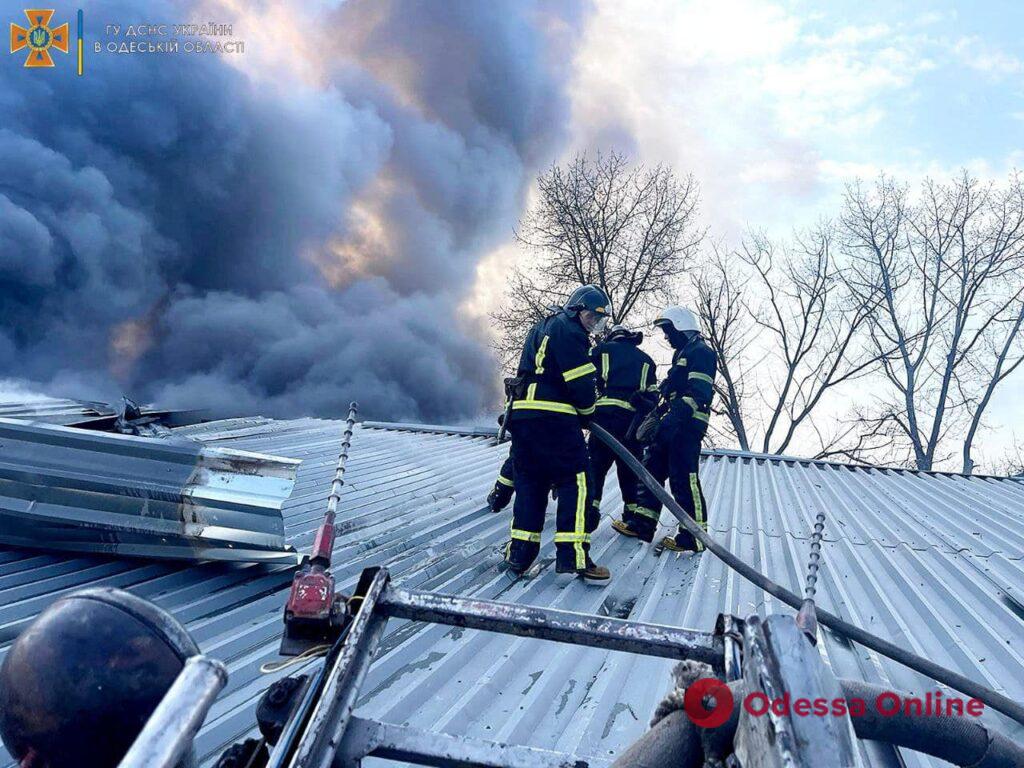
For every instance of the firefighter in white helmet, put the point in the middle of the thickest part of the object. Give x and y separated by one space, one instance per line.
674 432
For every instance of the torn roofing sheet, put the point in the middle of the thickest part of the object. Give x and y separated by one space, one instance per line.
54 410
83 491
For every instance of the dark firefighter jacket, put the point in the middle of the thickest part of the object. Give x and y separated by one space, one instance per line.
691 378
557 373
623 369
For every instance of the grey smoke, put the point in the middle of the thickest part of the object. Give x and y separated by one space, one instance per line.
162 220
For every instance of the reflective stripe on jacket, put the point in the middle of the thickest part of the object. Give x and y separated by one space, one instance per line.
623 369
691 378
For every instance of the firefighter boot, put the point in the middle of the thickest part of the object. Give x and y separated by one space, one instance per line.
593 571
669 543
508 563
621 526
683 541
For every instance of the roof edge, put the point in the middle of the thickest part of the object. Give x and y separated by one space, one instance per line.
437 429
485 431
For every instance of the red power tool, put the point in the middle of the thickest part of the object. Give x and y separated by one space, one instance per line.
314 615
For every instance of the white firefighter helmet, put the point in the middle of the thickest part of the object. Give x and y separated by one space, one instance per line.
679 318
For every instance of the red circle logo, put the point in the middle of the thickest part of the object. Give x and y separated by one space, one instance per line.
704 691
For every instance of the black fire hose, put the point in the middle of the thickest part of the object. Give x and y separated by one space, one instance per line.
956 739
958 682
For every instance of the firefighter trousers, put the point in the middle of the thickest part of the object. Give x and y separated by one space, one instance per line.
675 455
549 451
617 421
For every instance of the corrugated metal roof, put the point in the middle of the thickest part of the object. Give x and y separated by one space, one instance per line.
147 420
931 561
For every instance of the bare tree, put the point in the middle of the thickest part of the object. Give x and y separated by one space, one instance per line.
719 299
787 331
1002 355
624 227
947 326
1012 462
856 440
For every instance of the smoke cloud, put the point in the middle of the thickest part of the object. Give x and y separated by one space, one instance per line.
203 232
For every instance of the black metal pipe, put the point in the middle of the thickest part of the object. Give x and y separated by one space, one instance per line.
674 741
550 624
954 680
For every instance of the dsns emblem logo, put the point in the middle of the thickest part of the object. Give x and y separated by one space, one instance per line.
39 38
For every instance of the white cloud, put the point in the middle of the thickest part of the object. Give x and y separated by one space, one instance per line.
984 57
852 35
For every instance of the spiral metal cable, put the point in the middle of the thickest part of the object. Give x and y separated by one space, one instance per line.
339 471
815 558
807 618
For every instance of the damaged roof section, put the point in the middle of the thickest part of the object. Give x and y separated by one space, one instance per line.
82 491
127 418
56 410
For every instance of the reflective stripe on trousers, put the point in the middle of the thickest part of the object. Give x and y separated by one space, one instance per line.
698 508
521 535
579 536
616 402
647 512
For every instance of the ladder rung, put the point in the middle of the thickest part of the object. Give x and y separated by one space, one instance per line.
550 624
364 738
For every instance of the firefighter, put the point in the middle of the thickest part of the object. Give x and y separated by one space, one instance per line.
504 484
681 421
554 396
624 372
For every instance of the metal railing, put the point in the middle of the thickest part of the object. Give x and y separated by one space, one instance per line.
166 739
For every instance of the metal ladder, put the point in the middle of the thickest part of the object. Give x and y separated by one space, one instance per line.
773 655
336 737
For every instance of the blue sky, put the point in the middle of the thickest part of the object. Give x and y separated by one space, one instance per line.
969 104
774 105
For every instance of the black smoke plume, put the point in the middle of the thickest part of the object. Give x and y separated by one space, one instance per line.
203 232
